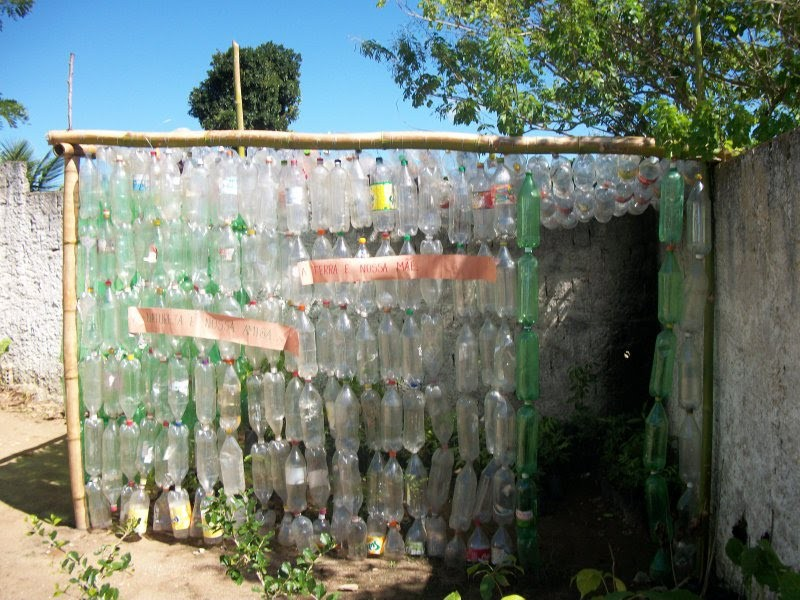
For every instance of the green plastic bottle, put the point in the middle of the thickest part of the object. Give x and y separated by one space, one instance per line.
670 210
528 207
656 430
527 288
526 521
527 367
670 290
656 499
527 440
663 363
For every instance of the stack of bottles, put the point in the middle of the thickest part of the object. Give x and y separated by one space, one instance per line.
678 357
210 231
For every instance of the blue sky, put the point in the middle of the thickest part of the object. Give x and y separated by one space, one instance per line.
136 62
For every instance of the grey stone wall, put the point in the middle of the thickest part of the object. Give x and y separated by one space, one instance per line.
30 284
757 380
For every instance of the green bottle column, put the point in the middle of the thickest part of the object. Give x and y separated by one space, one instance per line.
527 376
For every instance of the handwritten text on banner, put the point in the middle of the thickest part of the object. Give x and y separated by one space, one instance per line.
213 326
418 266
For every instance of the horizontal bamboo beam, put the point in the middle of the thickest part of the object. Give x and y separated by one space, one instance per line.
466 142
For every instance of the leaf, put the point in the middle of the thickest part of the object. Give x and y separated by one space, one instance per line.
510 597
620 595
588 580
619 585
487 587
733 550
789 585
453 596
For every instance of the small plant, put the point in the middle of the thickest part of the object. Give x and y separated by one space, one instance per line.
760 562
4 344
88 578
593 583
247 551
495 578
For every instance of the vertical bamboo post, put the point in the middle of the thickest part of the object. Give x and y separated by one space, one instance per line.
70 335
69 90
237 92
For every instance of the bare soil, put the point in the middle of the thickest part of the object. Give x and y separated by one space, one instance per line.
583 529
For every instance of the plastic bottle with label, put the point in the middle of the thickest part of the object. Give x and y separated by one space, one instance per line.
384 201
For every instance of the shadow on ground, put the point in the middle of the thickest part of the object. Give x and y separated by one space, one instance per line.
36 480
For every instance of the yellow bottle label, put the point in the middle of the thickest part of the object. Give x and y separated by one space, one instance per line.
139 516
375 545
180 516
383 196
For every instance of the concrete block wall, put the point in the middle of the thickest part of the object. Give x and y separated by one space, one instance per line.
30 284
757 380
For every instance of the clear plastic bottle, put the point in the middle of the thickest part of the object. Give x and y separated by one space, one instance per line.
431 290
468 425
439 479
440 411
505 437
363 291
386 294
322 250
323 329
180 512
432 344
466 360
395 547
347 419
344 343
392 418
278 453
389 347
411 348
464 493
506 285
391 489
505 360
409 295
319 486
206 457
455 553
459 226
340 197
318 195
343 290
465 293
296 480
405 189
361 206
478 547
371 415
229 399
376 536
504 493
329 395
274 390
357 539
482 205
296 196
413 418
366 359
435 535
307 341
293 428
485 290
504 201
231 466
690 374
311 416
695 296
415 539
502 547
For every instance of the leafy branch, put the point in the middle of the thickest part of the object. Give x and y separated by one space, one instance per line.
86 577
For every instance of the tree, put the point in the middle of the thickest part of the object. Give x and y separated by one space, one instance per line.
10 110
270 77
701 77
43 174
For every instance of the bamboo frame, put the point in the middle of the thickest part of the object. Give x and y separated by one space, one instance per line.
70 335
74 143
346 141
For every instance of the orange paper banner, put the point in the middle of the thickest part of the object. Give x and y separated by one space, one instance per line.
418 266
213 326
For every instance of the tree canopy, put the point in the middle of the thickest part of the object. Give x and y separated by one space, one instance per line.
270 79
11 111
701 76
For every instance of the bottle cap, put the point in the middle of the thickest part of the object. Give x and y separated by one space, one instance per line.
320 231
362 240
409 311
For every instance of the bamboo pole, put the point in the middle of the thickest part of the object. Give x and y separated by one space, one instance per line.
69 89
376 140
70 335
237 92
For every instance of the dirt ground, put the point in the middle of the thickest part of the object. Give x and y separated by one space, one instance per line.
583 530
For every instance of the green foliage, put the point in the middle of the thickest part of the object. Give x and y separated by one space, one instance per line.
620 67
593 583
270 79
760 562
86 577
43 174
495 578
4 344
247 551
14 9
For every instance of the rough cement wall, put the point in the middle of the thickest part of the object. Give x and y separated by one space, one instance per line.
30 283
757 413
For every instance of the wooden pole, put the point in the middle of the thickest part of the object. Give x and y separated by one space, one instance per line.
237 92
70 335
69 90
377 140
